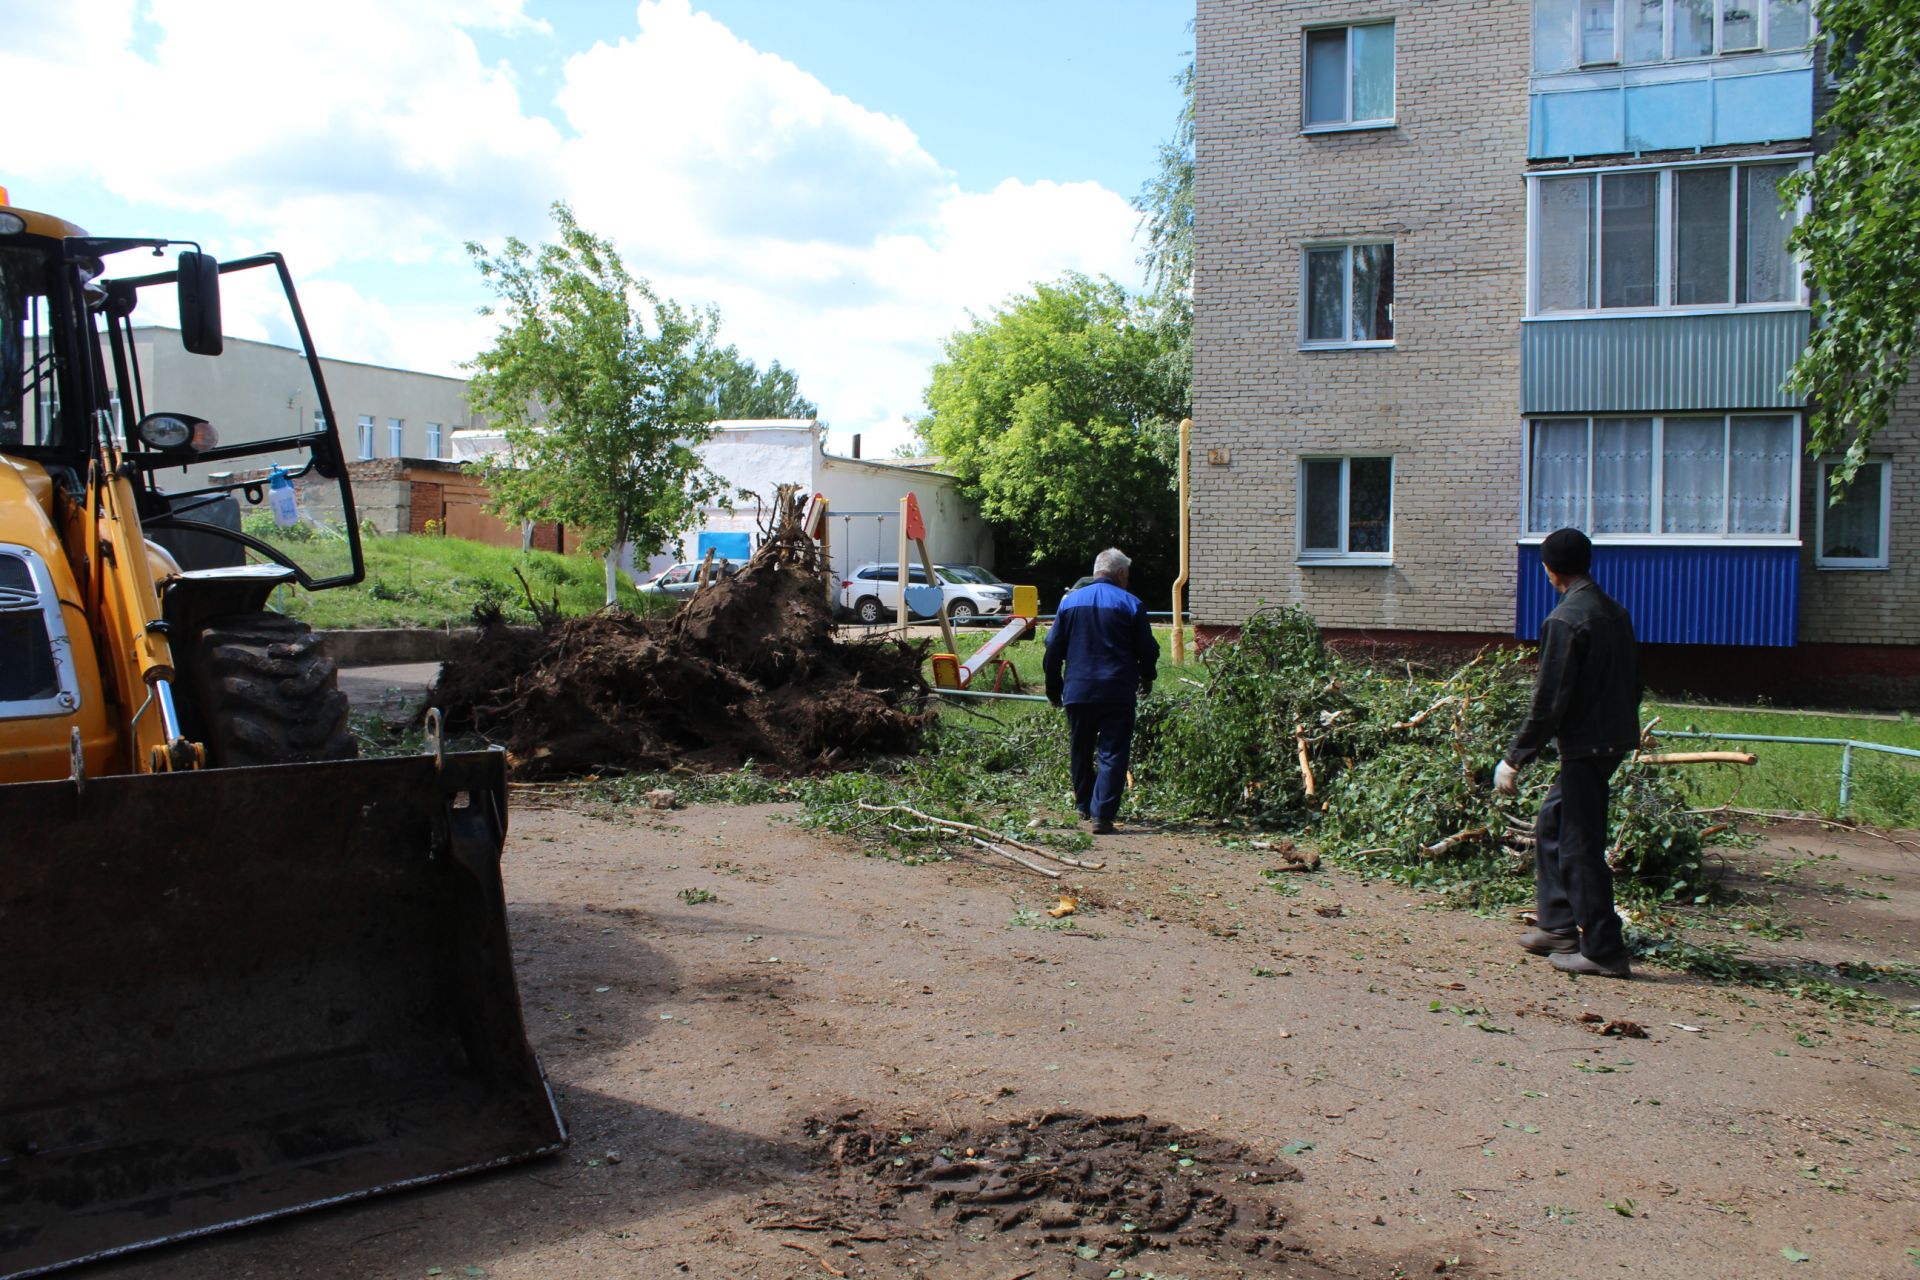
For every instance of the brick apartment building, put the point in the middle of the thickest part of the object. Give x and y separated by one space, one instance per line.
1468 272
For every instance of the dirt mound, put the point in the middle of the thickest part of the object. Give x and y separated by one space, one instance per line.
1097 1188
748 670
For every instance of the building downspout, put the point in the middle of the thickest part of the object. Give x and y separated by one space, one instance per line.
1180 583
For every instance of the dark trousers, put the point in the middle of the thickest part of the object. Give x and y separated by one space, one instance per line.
1100 746
1572 883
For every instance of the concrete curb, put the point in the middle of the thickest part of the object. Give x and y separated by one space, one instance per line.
391 644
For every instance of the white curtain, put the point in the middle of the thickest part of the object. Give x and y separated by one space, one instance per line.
1694 462
1622 475
1770 275
1559 475
1565 247
1760 475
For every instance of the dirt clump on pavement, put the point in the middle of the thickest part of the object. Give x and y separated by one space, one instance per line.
1103 1188
747 670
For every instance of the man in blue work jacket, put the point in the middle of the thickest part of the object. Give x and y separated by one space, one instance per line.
1102 637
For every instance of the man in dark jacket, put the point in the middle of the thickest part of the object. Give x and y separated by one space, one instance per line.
1587 695
1102 637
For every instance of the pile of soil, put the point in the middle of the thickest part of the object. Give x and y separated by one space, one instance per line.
748 670
1100 1188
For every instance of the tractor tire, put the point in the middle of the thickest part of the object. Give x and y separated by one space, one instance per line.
868 610
961 611
266 693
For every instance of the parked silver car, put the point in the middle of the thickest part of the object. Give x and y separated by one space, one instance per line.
871 592
682 579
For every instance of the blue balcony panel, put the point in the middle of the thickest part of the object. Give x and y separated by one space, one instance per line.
1661 364
1669 108
1681 594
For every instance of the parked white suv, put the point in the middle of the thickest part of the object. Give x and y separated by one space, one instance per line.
872 592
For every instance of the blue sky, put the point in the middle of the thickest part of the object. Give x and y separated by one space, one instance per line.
845 179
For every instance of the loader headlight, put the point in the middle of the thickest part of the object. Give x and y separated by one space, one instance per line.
11 224
166 430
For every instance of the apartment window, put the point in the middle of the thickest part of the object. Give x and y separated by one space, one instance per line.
433 439
1349 76
1638 239
1724 476
1346 509
1854 532
366 436
1571 34
396 437
1348 295
319 427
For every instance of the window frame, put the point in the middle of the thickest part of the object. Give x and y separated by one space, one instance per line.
365 437
1763 34
1656 480
1348 124
397 437
1665 227
1345 343
435 439
1305 556
1852 564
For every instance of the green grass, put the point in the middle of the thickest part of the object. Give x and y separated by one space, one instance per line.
1025 656
428 581
1886 789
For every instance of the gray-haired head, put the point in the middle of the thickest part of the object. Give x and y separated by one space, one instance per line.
1111 563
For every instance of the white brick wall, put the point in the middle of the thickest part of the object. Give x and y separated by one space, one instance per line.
1447 184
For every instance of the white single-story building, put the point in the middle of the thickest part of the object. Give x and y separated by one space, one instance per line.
863 498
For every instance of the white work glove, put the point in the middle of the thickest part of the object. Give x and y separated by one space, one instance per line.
1506 779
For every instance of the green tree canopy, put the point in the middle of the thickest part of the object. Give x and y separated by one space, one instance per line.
1059 412
742 390
602 389
1165 205
1861 241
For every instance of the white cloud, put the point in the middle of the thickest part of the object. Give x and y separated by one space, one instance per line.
363 134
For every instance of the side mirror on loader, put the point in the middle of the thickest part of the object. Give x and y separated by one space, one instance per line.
199 289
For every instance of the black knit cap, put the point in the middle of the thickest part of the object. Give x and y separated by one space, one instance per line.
1567 552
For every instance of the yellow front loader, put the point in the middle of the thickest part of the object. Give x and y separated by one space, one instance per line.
242 972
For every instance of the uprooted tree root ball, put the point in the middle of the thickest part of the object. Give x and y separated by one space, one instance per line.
1099 1187
747 670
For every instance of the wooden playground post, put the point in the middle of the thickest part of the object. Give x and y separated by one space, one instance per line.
916 528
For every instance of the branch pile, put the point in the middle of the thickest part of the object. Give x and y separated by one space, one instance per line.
1391 769
747 670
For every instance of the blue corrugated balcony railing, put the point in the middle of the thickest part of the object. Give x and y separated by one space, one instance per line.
1747 595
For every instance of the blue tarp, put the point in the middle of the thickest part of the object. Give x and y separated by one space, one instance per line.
726 546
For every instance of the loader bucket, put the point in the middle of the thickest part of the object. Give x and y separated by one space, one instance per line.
240 993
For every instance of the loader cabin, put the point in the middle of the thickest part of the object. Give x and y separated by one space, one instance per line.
200 514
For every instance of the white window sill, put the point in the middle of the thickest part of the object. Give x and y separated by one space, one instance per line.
1650 313
1343 562
1356 126
1346 346
1851 566
1671 540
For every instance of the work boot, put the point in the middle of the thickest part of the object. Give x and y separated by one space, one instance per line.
1546 942
1574 962
1103 826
